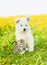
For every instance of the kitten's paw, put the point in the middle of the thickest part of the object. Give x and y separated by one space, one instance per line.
22 52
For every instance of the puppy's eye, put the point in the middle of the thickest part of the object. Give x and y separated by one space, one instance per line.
21 25
26 25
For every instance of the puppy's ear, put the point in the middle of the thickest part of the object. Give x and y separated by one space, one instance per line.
17 20
28 18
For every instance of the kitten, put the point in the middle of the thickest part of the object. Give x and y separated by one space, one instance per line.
20 46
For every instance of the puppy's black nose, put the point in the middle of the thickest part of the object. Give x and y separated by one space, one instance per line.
24 29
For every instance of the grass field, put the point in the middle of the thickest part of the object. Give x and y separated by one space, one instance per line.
38 26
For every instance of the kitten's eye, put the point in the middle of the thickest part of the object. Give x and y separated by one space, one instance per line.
21 25
26 25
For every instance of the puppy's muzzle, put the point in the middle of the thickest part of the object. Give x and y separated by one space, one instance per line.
24 29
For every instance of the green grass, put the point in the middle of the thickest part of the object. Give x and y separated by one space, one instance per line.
36 57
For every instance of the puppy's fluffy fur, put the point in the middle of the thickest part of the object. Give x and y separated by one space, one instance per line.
23 32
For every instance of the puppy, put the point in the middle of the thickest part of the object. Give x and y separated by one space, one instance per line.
23 32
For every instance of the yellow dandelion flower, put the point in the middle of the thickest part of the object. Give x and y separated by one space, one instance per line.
4 60
4 42
7 28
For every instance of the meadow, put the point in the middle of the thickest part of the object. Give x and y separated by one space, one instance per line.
38 25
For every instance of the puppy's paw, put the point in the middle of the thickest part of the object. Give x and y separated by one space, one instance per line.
30 50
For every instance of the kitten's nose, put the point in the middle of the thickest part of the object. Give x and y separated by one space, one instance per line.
24 29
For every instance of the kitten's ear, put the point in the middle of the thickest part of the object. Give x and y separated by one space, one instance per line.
21 40
28 18
17 20
15 42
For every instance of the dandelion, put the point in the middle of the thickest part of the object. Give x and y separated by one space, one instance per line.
4 42
4 60
7 28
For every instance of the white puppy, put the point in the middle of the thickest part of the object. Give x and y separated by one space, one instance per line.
23 32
